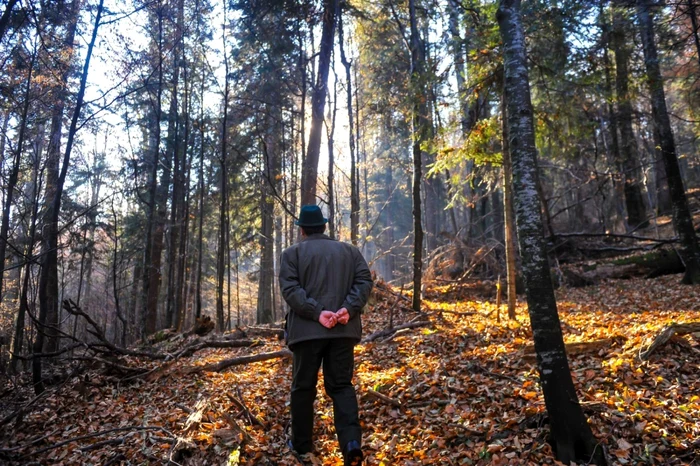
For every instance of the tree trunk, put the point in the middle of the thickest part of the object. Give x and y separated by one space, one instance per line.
420 132
150 273
331 163
18 335
51 233
354 182
200 243
682 220
572 439
223 205
14 173
629 160
265 311
693 22
309 171
5 18
509 215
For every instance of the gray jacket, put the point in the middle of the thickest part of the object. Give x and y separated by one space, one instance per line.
317 274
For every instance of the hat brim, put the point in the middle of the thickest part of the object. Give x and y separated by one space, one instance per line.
325 220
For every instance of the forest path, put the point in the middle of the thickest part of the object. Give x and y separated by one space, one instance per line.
463 391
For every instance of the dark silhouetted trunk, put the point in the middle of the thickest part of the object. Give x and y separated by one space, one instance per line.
629 160
49 266
682 220
420 136
309 170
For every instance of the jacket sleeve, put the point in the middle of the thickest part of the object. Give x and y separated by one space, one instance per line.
361 285
303 305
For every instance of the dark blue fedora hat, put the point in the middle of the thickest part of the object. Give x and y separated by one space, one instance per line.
311 216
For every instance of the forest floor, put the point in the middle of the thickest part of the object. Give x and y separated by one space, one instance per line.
461 391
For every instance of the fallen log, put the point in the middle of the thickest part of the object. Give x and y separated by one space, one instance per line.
386 332
190 350
266 332
666 334
226 363
580 347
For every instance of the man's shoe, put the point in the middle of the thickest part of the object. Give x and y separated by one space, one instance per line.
353 453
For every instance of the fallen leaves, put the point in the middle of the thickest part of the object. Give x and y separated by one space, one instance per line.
461 392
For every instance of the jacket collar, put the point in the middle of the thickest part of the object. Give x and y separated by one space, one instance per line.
315 236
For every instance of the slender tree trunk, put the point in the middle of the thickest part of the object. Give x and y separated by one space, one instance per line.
309 171
629 161
420 132
49 266
510 236
115 277
184 201
572 439
354 191
14 173
331 162
682 220
18 335
223 206
200 243
265 311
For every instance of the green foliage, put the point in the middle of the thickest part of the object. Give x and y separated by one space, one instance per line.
481 146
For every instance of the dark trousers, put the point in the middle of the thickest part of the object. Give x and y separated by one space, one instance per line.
337 357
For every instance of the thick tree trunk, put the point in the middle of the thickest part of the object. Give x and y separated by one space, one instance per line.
629 160
682 219
309 170
150 273
618 186
572 439
54 208
49 230
420 131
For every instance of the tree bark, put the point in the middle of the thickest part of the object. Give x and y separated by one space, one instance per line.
309 171
509 215
223 202
629 156
14 172
572 439
151 273
53 213
420 131
682 219
48 298
354 178
5 18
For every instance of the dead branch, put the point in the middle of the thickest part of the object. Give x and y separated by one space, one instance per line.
581 347
389 331
93 435
242 407
666 334
226 363
385 398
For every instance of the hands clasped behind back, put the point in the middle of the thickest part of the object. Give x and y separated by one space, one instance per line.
329 319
